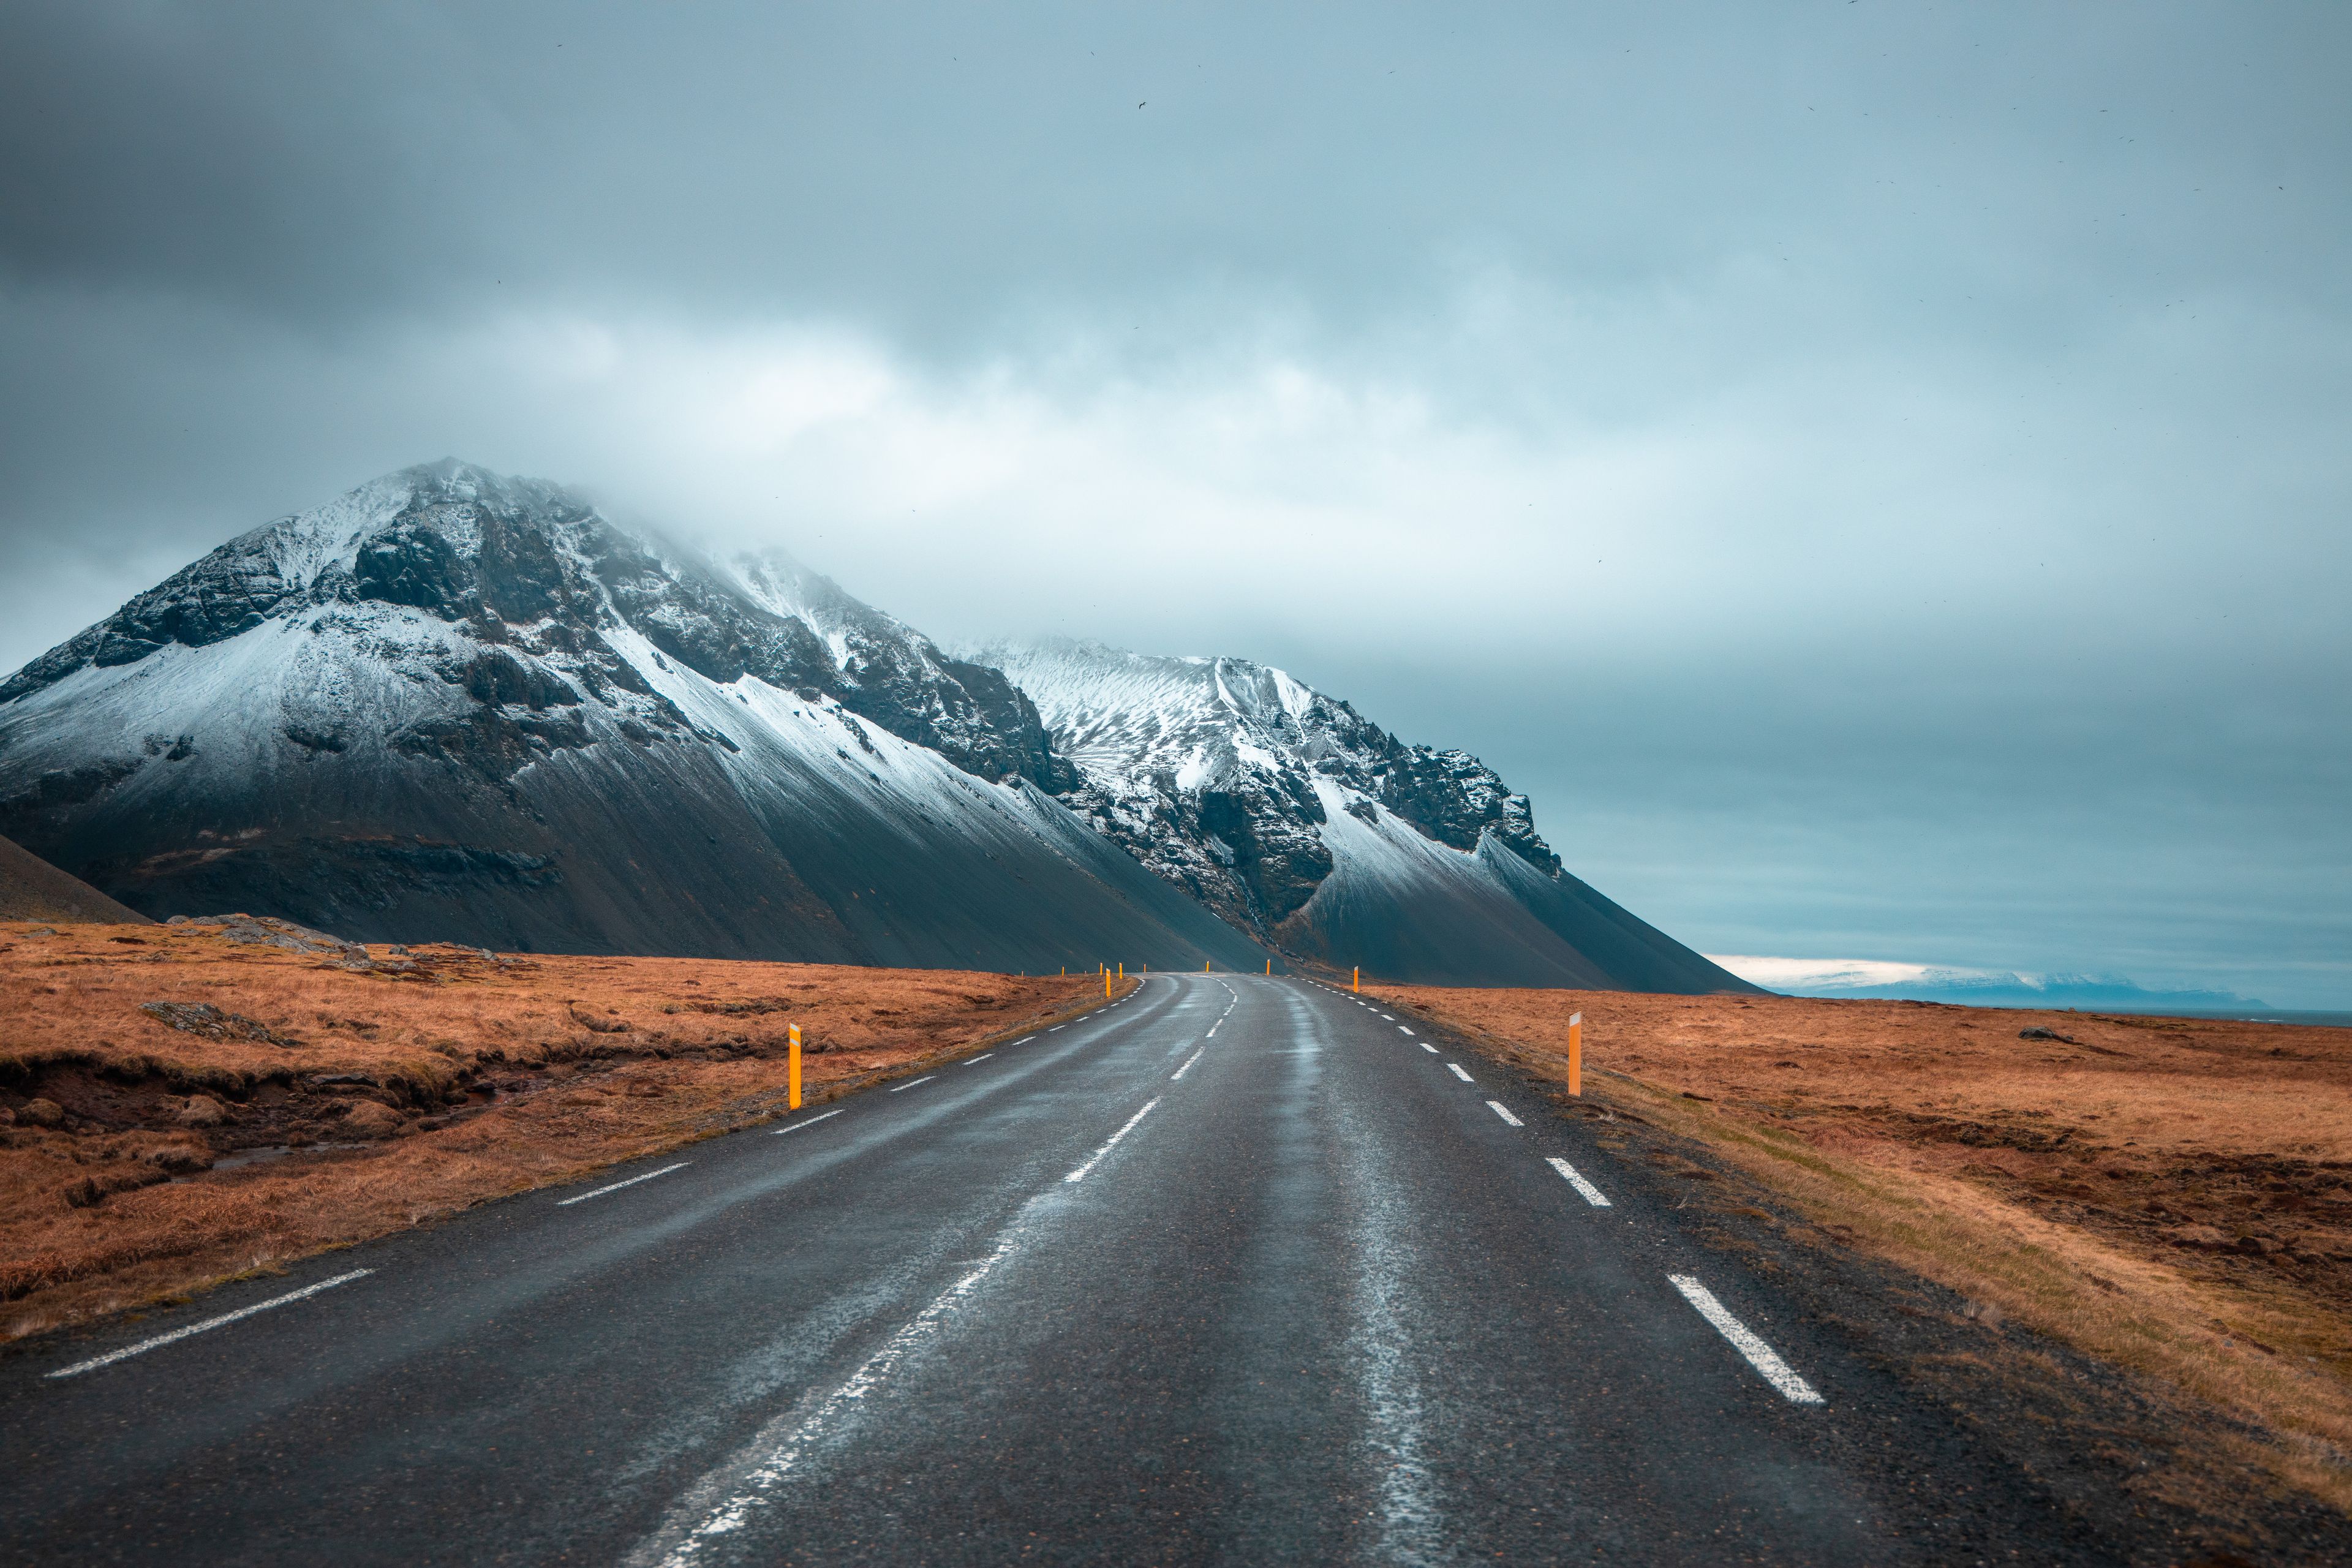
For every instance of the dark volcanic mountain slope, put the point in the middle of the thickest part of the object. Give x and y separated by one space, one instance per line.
453 705
1299 819
33 889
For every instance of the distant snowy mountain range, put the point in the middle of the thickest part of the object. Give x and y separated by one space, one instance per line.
453 704
1864 978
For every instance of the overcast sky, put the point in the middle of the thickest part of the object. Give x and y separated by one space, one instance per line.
1878 475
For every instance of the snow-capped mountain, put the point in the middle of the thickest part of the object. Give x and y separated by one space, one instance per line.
455 705
1303 823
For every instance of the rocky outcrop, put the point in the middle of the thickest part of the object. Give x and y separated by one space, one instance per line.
1456 799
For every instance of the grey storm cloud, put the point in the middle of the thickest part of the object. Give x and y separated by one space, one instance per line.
1875 475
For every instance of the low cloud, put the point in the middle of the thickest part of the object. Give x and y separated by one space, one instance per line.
1875 479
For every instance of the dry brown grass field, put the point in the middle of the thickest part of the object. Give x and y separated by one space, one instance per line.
177 1106
2172 1196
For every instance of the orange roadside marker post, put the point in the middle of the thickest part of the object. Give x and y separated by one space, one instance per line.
1269 969
792 1072
1576 1053
1357 985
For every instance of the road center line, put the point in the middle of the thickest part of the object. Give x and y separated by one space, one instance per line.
810 1122
1080 1173
1497 1108
1759 1355
1592 1194
1179 1072
903 1088
1455 1069
616 1186
94 1362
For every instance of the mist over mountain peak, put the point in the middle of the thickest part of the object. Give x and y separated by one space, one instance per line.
457 702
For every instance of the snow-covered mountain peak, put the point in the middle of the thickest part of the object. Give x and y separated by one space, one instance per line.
1220 772
1207 721
501 585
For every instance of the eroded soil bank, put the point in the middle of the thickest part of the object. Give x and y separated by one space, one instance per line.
184 1103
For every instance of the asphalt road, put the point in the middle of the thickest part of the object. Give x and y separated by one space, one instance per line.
1238 1270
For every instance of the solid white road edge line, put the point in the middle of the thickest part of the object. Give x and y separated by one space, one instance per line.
1759 1355
732 1514
616 1186
1080 1173
1455 1069
94 1362
1497 1108
902 1088
1592 1194
1179 1072
812 1122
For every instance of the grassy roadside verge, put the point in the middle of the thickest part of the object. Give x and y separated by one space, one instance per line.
178 1107
2070 1189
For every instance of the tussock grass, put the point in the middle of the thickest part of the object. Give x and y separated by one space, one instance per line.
463 1079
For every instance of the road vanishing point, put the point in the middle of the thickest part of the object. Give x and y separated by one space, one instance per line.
1236 1270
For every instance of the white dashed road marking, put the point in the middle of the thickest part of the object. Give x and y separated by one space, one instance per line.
1080 1173
1402 1030
812 1122
94 1362
1455 1069
1179 1072
1759 1355
980 1059
1425 1045
903 1088
1497 1106
616 1186
1569 1173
